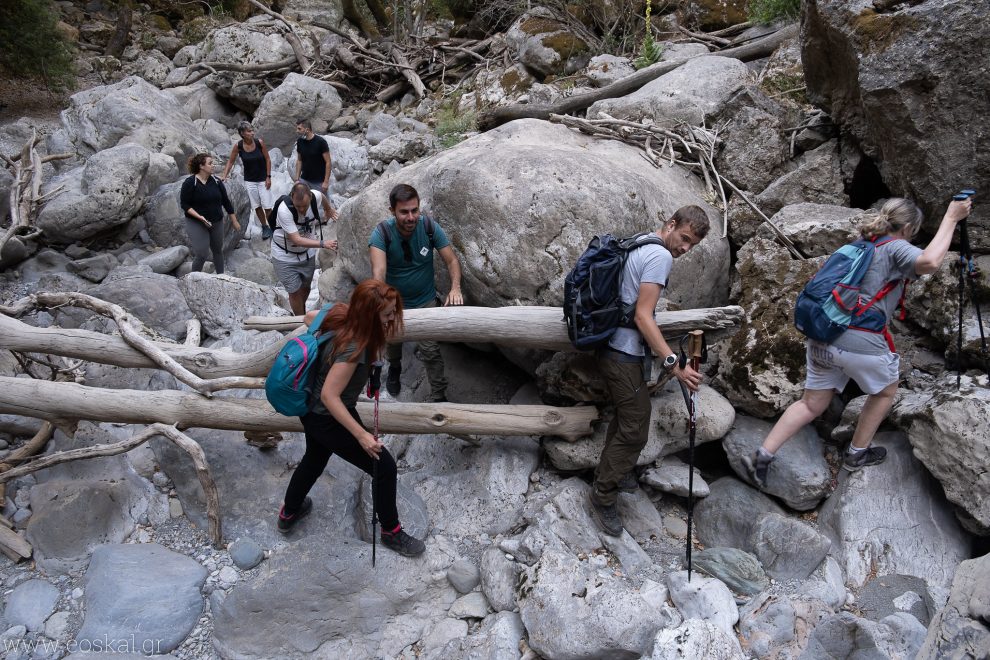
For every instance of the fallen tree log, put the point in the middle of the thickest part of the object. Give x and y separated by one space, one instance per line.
68 401
110 349
522 326
754 50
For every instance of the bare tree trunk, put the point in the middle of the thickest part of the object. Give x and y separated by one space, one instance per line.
354 15
69 401
122 34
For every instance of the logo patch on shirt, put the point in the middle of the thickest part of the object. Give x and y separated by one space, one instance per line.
424 251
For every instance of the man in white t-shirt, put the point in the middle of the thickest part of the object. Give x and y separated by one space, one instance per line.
296 240
622 362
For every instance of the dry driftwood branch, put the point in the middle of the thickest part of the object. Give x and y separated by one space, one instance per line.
13 545
68 401
290 37
759 48
25 189
194 331
527 326
408 72
130 327
25 451
110 349
182 440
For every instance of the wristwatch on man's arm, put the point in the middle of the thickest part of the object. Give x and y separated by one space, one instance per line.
670 362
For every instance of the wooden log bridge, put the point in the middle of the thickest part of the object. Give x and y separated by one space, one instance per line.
527 326
55 401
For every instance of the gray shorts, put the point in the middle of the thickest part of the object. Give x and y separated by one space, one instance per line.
830 368
294 274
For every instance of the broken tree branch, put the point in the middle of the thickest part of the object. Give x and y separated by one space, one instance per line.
181 440
756 49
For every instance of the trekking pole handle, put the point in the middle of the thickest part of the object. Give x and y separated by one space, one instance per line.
696 343
375 378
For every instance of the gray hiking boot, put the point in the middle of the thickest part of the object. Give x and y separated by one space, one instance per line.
629 483
405 545
869 456
758 467
606 515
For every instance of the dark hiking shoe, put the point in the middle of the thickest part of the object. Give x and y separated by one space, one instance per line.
758 467
405 545
437 397
266 232
392 383
286 523
869 456
629 483
606 515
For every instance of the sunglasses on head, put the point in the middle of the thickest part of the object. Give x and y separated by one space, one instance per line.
407 251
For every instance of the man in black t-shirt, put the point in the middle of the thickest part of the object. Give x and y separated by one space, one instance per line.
312 157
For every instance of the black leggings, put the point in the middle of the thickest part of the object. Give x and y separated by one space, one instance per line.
326 436
204 242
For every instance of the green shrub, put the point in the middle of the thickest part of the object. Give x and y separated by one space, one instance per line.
650 51
31 47
768 11
452 126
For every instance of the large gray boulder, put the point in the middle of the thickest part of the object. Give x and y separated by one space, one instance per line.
201 102
695 638
570 610
222 302
132 110
727 517
948 434
690 93
473 490
496 639
779 626
798 475
104 193
545 45
815 177
872 70
817 230
143 593
962 628
336 593
245 44
521 202
298 96
350 168
891 518
762 370
846 635
704 598
755 151
788 548
153 298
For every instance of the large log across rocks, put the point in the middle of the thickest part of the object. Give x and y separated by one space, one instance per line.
69 401
527 326
530 327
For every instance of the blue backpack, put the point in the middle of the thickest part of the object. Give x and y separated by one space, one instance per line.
593 307
830 303
290 379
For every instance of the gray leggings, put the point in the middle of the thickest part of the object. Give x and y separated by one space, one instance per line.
204 241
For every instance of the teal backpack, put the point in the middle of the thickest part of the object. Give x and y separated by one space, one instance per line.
290 379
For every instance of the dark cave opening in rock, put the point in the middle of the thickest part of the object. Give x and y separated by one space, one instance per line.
867 185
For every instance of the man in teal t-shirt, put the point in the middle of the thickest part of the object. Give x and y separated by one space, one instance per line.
404 259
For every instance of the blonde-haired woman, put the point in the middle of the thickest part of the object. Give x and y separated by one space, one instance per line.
865 353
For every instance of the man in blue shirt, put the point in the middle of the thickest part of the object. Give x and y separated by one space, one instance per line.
401 254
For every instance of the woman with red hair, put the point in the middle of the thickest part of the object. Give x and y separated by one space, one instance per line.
361 331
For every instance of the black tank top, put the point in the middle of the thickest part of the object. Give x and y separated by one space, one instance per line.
254 162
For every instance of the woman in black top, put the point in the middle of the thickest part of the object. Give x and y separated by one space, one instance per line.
204 199
257 172
361 330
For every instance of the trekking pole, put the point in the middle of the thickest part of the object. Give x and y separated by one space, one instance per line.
374 387
967 270
696 354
